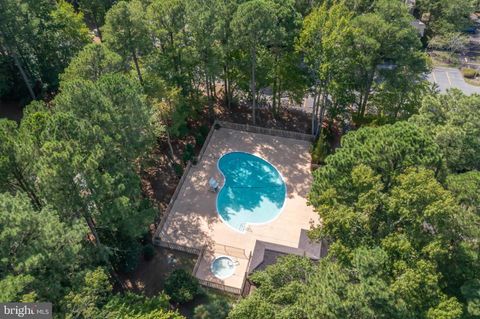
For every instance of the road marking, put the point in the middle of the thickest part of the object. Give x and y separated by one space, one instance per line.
434 78
448 77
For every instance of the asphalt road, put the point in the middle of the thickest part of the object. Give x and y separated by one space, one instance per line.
448 78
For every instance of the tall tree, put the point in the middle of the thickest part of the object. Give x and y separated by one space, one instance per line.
16 34
67 34
96 10
94 298
453 119
202 18
94 61
16 159
41 37
375 194
295 287
125 31
466 188
325 42
39 251
286 73
388 54
442 16
224 33
167 26
87 158
253 25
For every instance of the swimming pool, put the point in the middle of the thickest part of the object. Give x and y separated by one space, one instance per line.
253 193
223 267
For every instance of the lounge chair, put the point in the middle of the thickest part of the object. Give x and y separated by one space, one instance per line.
213 184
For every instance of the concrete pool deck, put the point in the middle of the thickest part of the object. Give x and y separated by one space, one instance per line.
194 222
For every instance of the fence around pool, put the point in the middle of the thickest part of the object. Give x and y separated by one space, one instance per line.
244 288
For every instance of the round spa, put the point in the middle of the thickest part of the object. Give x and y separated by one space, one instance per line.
223 267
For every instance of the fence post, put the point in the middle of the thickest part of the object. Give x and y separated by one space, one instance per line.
268 131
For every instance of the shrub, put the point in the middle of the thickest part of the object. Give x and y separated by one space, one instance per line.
181 286
146 238
178 169
469 73
188 153
148 252
217 308
321 150
129 258
130 305
199 139
203 130
182 130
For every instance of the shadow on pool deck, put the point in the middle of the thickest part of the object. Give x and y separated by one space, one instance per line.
277 153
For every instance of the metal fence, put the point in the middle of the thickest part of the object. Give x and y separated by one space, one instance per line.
222 287
207 141
229 250
266 131
165 216
186 249
172 201
235 126
246 285
199 261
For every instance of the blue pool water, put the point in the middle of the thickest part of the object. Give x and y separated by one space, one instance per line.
253 193
223 267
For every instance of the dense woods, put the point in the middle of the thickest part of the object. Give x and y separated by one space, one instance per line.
398 202
402 220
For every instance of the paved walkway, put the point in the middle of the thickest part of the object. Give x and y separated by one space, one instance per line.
448 78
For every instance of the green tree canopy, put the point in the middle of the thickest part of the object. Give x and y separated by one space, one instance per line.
95 10
295 287
41 37
254 26
466 187
326 42
386 150
383 189
94 298
39 252
453 119
91 63
87 166
125 31
443 16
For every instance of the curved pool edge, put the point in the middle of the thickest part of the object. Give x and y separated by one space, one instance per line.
224 181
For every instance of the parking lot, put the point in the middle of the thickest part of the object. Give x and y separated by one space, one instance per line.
447 78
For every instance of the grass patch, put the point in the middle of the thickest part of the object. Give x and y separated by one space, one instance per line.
445 59
475 82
